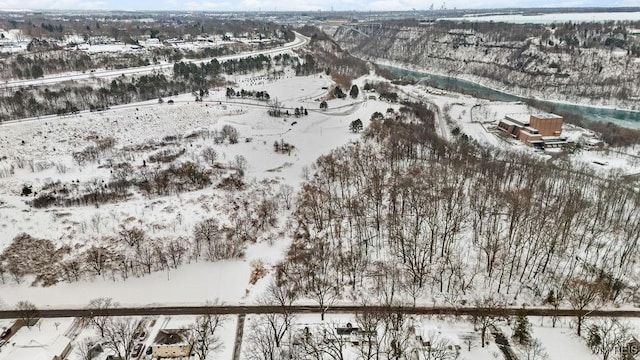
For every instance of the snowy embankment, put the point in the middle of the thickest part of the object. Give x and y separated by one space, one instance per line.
531 61
515 91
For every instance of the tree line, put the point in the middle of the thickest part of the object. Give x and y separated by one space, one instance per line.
402 213
71 98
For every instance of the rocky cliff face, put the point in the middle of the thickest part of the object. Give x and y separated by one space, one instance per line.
594 63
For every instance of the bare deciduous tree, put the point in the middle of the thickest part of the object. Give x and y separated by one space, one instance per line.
439 347
325 342
100 312
176 250
369 324
278 324
230 133
261 344
96 258
324 293
534 351
207 233
132 236
145 256
206 332
85 350
27 312
286 192
581 294
608 336
210 155
72 269
397 336
554 299
483 319
118 335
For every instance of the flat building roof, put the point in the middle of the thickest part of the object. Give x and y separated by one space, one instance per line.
547 116
510 123
521 119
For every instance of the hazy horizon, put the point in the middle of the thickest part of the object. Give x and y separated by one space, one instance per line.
299 5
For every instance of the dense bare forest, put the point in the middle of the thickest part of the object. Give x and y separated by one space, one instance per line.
405 216
574 61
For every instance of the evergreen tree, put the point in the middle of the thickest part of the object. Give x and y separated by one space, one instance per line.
354 91
323 105
551 297
36 71
377 116
355 126
522 330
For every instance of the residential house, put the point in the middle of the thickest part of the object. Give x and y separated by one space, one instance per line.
172 343
43 341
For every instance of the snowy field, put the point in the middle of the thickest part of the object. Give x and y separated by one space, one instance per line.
37 153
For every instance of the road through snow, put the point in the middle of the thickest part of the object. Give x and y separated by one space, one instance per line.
299 41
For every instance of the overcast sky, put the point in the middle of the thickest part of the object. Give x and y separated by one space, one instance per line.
315 5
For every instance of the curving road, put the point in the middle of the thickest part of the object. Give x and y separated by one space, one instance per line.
299 41
262 309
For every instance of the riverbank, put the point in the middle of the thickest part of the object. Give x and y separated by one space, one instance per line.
522 93
627 118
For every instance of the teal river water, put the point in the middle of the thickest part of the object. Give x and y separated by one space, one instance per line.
625 118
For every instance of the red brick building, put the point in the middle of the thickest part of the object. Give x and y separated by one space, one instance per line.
539 130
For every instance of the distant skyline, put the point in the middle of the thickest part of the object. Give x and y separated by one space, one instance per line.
298 5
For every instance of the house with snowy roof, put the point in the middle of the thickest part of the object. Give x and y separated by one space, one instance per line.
43 341
172 343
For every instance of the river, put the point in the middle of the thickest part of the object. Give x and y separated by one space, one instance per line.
624 118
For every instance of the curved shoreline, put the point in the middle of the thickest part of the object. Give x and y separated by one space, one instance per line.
509 92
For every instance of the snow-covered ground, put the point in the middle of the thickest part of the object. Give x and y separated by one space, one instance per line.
52 337
478 119
562 343
38 152
459 338
76 76
43 340
45 157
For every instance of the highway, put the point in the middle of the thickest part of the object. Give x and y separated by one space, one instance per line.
299 41
310 309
